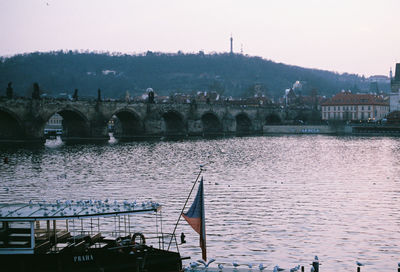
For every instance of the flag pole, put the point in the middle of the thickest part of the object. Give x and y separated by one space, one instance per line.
184 206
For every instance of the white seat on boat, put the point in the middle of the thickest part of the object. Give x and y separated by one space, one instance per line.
98 245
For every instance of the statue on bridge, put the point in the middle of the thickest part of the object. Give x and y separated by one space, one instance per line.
151 96
75 95
36 91
127 96
9 91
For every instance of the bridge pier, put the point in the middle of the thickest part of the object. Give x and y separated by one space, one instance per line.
20 130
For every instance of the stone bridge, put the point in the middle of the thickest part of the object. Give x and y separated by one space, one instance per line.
24 119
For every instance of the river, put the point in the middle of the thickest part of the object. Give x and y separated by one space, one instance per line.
276 200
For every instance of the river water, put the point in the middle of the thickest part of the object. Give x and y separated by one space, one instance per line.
276 200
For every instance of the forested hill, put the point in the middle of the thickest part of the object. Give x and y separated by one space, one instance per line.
230 75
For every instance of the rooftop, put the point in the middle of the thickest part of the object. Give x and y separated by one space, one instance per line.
348 98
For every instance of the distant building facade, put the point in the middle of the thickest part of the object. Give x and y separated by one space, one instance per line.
55 122
290 97
395 90
355 107
54 126
294 98
378 79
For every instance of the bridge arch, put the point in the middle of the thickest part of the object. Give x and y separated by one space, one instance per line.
243 124
211 124
75 124
273 119
173 124
11 127
128 124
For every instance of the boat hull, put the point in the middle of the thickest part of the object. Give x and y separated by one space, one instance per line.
93 260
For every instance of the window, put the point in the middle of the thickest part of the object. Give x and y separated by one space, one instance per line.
369 107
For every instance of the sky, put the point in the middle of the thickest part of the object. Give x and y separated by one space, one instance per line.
353 36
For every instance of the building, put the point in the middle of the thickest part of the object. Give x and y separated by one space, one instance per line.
378 79
395 90
355 107
54 126
55 122
293 98
395 82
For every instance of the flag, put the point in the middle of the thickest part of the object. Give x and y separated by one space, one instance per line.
196 219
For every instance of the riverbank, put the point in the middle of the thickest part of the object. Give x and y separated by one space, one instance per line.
355 130
303 129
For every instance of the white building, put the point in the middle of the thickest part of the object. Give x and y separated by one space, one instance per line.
55 121
54 125
355 107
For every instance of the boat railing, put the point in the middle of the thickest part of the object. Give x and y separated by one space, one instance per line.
74 240
168 238
154 239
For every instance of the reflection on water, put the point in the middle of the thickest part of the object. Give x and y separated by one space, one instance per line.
112 139
54 143
276 200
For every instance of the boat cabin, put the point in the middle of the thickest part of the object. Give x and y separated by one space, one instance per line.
82 235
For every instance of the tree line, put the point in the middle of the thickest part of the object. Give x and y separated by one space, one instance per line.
116 74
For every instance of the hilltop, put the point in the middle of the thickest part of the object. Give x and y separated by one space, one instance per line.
115 74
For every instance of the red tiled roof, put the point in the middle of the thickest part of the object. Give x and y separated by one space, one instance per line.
346 98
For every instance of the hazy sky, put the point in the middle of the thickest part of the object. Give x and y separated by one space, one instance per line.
355 36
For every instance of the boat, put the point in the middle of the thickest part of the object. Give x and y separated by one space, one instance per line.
83 236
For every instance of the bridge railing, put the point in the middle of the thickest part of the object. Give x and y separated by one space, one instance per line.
234 103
